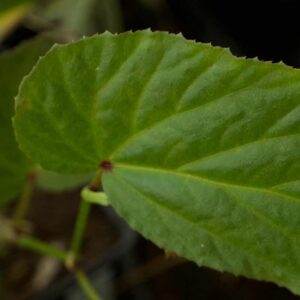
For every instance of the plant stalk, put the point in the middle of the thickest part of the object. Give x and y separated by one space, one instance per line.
80 226
24 203
35 245
86 286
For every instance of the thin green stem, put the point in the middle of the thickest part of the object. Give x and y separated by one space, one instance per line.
98 198
24 203
80 226
86 286
113 14
35 245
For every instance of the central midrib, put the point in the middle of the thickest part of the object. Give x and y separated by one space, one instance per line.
207 180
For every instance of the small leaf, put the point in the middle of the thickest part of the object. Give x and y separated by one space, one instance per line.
14 65
199 149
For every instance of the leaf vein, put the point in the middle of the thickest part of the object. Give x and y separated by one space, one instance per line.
146 83
237 148
210 181
240 248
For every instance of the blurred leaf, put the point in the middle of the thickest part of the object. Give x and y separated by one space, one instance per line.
52 181
203 147
85 18
14 65
11 13
75 16
6 5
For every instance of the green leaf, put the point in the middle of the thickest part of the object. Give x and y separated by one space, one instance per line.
14 65
204 145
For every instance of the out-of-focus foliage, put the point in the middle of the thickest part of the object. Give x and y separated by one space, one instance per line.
78 17
52 181
14 65
6 5
11 13
69 15
6 232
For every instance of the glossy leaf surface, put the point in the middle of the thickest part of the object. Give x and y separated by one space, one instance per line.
204 145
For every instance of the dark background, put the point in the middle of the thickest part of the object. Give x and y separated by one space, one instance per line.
267 29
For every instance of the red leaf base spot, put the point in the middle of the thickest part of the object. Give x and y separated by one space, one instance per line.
106 165
32 177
